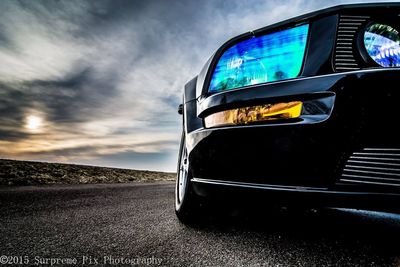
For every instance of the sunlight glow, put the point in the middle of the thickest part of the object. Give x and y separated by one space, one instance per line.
33 123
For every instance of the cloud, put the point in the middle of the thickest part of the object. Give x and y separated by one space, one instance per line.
106 76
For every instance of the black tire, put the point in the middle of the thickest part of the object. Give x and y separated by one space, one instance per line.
186 202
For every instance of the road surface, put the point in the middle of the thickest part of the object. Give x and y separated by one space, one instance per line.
128 224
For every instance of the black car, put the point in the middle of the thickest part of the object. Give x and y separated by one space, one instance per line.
302 111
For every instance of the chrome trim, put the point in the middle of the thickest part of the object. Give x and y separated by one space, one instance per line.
373 162
348 28
372 172
344 43
371 168
347 68
346 35
363 177
375 154
390 159
356 16
348 60
359 22
259 186
347 64
347 31
352 20
363 171
367 182
382 149
344 56
345 39
285 189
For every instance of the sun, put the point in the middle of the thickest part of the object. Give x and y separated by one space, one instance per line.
33 123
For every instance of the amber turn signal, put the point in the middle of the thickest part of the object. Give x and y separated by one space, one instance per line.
247 115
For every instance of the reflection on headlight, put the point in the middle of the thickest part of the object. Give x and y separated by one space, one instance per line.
271 57
382 43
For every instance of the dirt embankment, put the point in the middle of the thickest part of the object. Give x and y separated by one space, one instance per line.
14 172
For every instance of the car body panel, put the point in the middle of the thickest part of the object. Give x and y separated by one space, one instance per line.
343 147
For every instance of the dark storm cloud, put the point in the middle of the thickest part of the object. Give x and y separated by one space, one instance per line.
74 99
11 110
65 100
12 135
4 41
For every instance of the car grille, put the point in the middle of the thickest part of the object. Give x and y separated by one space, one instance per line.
373 166
344 59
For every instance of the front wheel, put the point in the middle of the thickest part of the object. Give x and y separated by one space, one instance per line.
186 202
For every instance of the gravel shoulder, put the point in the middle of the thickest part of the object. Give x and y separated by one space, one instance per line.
15 172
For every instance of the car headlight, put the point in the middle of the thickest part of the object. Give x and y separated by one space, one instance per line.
271 57
382 43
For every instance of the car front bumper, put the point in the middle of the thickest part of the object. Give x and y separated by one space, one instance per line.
309 155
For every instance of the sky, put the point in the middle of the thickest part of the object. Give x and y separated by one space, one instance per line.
99 82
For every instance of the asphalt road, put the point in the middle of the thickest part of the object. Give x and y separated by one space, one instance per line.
137 222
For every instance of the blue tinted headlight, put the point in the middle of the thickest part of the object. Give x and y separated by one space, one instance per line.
272 57
382 43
